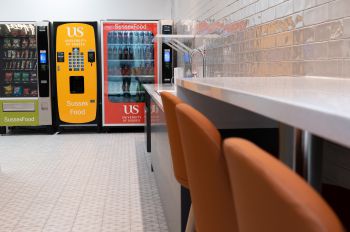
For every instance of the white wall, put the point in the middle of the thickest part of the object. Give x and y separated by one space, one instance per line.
60 10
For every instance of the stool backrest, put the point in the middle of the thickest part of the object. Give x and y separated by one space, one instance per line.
269 197
210 190
169 103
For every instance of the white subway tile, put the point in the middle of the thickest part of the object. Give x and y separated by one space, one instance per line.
316 15
284 9
268 15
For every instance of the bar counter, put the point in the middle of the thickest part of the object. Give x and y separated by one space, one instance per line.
318 105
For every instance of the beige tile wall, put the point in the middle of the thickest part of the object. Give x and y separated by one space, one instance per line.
269 37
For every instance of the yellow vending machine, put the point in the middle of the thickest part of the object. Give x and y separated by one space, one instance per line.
77 81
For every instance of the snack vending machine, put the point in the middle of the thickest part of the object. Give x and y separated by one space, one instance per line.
130 59
76 68
25 96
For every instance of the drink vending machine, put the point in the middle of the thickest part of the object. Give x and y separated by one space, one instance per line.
25 96
76 68
130 59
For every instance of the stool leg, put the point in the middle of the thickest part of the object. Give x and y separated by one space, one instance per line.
190 221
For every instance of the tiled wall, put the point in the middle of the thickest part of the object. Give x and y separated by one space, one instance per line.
269 37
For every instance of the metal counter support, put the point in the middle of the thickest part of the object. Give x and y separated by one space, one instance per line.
148 121
307 157
302 152
312 151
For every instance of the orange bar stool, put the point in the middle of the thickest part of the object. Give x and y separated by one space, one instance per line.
210 191
179 168
269 197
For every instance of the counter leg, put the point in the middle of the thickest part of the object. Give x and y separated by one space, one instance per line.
312 151
302 152
148 121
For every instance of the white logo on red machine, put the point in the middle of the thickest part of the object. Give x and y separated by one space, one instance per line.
134 26
131 109
75 32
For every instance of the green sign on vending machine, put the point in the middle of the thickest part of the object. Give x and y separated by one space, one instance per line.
19 113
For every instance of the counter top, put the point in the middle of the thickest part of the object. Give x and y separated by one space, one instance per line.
155 89
315 104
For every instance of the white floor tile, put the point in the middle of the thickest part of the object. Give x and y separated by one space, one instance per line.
78 182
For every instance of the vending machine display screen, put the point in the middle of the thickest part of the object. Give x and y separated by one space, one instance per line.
43 57
166 55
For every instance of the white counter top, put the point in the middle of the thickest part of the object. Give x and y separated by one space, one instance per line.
155 89
318 105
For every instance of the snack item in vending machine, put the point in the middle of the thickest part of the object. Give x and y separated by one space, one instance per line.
18 91
16 43
25 43
15 32
26 91
25 77
34 92
13 54
33 78
8 90
7 43
25 54
8 76
17 77
28 65
23 66
114 53
32 42
18 54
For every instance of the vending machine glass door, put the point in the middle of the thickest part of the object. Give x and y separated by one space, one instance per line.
130 60
18 61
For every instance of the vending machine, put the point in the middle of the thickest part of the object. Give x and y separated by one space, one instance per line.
25 96
130 59
167 54
76 73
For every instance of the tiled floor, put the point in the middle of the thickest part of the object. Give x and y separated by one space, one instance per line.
77 182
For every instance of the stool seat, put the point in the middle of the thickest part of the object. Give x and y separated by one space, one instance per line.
269 197
210 190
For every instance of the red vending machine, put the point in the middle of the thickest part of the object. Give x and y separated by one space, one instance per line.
130 59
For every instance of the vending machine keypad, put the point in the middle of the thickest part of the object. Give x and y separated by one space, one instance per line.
76 60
